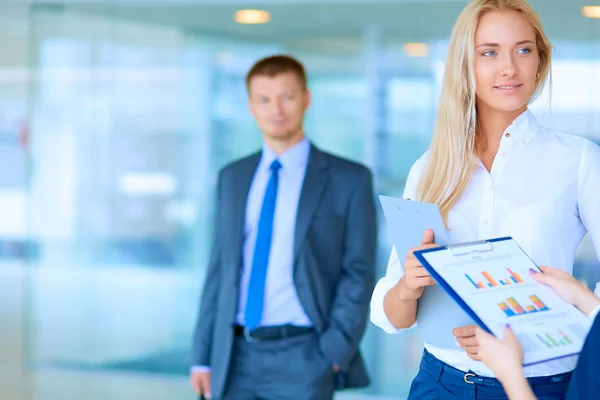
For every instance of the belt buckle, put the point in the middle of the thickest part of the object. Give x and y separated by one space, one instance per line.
247 336
466 378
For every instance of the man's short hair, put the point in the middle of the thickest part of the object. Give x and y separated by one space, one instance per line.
275 65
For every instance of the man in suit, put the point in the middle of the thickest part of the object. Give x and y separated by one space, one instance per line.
291 272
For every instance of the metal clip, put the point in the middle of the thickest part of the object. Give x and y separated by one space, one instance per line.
479 246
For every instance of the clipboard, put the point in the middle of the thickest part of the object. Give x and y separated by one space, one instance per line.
407 220
490 281
460 249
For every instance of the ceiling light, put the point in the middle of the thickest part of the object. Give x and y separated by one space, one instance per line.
252 16
591 11
226 58
416 49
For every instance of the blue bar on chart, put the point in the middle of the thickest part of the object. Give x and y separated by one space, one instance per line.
492 282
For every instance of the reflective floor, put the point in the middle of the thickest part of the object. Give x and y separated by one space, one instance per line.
19 381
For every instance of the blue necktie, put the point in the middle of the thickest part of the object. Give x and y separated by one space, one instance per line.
258 275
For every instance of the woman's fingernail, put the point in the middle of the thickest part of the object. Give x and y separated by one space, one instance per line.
532 271
507 326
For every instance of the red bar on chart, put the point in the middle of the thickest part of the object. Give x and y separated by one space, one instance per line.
506 309
490 279
538 303
515 305
516 276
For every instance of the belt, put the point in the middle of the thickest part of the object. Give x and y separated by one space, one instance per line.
439 368
271 332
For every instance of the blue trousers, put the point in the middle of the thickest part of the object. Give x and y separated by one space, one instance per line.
437 380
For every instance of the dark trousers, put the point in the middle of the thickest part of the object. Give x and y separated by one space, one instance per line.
279 369
438 380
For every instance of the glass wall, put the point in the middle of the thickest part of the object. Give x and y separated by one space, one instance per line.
14 144
114 138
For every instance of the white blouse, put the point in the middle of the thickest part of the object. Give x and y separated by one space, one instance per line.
543 190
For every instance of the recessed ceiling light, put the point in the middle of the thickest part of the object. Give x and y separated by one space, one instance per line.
252 16
591 11
226 57
416 49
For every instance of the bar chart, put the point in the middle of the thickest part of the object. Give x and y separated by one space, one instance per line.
511 307
550 341
490 282
536 341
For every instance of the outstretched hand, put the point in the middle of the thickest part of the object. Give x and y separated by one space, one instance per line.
504 357
567 287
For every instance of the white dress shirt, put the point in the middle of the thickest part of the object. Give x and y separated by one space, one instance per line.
281 304
543 190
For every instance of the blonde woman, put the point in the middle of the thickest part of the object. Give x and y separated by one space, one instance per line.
493 171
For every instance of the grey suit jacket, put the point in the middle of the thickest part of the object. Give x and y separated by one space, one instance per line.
334 257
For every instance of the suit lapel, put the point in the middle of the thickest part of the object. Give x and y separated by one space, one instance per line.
312 189
241 188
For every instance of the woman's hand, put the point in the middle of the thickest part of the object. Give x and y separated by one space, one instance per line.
416 277
568 288
504 357
466 338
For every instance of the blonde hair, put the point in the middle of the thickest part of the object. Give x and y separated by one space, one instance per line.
452 152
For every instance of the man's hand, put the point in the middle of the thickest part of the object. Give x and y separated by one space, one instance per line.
504 357
465 335
200 381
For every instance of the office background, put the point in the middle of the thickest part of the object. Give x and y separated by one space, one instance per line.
114 119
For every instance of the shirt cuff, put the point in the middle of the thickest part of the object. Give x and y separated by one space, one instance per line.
200 368
594 313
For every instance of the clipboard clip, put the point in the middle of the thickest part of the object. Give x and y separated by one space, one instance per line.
400 208
473 248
